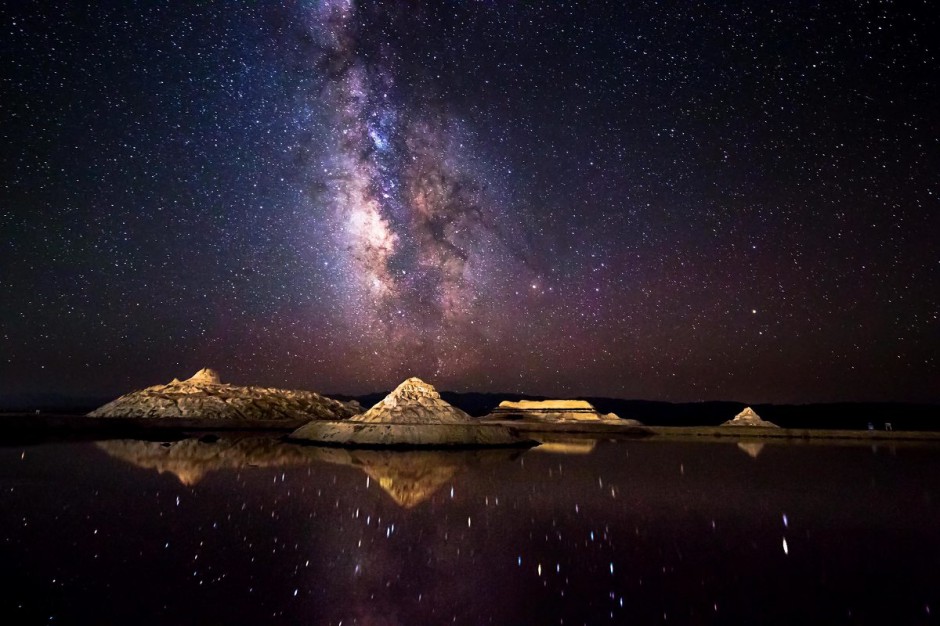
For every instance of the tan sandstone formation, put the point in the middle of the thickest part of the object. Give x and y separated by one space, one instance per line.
748 417
551 411
414 414
414 402
204 396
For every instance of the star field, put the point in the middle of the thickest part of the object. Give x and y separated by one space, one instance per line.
680 202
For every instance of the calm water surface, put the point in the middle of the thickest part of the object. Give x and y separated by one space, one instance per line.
253 531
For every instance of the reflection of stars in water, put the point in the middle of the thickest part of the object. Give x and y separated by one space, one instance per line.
580 537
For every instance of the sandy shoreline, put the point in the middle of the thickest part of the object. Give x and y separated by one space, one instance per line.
19 427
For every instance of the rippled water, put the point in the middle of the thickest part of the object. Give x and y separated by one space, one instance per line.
254 531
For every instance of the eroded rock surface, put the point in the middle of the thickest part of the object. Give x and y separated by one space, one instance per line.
204 396
412 415
414 402
551 411
748 417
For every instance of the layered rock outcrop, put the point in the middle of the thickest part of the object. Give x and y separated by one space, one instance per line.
204 396
550 411
748 417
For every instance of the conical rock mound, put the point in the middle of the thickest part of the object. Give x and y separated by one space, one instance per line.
414 402
414 415
205 376
204 396
748 417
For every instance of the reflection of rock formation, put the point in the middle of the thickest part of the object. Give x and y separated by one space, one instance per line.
412 415
748 417
411 477
191 459
752 449
566 445
551 411
205 397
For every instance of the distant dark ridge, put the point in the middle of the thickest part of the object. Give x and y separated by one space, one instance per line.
838 416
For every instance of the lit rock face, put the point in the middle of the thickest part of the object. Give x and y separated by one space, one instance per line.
414 415
550 411
748 417
204 396
414 402
206 376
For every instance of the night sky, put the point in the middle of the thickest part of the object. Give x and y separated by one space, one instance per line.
678 201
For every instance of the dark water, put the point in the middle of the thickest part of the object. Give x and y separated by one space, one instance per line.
253 531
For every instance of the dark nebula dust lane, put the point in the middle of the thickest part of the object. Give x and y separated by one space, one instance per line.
622 199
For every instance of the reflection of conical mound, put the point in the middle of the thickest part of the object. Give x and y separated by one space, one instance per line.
190 459
411 477
409 480
567 445
189 476
752 449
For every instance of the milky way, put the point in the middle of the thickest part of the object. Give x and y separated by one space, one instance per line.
685 202
415 228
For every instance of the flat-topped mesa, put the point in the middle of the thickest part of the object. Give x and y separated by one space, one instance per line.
549 411
748 417
204 396
414 402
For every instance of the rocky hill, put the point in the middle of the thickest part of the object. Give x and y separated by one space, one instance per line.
748 417
414 402
413 415
204 396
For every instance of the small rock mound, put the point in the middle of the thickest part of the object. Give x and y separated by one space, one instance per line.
748 417
204 396
414 402
205 376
